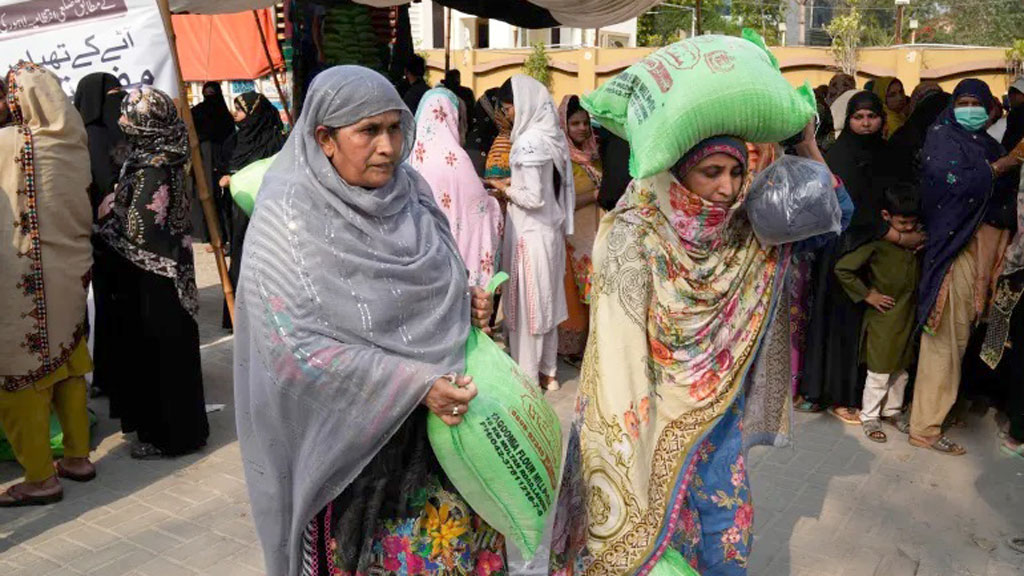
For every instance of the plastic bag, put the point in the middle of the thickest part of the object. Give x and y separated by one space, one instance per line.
791 200
695 89
672 563
506 454
245 184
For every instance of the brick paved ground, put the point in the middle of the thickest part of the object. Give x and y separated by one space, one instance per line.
834 505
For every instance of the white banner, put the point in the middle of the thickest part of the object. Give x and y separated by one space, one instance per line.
78 37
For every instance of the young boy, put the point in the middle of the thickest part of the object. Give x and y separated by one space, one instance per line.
886 343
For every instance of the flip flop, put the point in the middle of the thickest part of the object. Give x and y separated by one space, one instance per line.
1016 544
64 473
806 406
943 446
899 422
1017 452
851 419
19 500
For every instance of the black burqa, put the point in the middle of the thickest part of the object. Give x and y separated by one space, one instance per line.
615 177
481 136
260 135
98 99
905 144
214 126
832 372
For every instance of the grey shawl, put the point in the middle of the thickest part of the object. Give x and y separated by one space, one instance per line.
351 302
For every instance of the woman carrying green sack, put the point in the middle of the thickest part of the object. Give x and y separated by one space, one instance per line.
353 314
684 299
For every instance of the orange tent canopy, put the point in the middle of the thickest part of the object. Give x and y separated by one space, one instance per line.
225 46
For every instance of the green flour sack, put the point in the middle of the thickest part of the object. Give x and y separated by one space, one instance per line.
672 563
506 454
245 184
695 89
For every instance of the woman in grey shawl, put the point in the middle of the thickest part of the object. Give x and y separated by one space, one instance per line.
353 309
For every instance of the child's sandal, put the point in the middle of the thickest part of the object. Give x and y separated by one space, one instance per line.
873 430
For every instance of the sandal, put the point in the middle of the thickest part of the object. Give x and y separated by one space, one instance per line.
64 473
847 415
899 422
1018 452
943 445
806 406
14 498
873 430
1016 544
146 451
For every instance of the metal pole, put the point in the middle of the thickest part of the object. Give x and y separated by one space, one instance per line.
205 199
899 24
273 71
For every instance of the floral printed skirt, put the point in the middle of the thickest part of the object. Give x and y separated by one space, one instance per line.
402 516
717 517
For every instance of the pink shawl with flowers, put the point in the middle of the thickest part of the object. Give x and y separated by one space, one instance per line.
473 215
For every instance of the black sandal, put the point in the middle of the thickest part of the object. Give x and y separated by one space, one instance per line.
146 451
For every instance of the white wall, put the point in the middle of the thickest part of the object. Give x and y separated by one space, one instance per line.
501 34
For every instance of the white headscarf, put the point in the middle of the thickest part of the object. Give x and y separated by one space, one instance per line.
537 138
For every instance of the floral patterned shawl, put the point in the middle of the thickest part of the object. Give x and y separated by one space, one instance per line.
150 223
682 296
473 215
46 255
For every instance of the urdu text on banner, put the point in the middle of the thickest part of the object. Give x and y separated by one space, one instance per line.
78 37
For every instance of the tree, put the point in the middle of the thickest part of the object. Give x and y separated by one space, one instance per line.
538 65
662 25
846 30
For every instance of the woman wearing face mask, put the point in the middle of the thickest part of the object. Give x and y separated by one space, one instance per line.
890 91
586 175
831 370
961 172
683 298
334 381
540 200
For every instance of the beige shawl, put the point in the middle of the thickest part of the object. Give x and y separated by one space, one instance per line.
45 221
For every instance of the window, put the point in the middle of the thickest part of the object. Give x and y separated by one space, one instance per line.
556 36
483 33
437 18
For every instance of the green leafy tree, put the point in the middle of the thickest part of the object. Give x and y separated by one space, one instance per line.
538 64
846 31
662 25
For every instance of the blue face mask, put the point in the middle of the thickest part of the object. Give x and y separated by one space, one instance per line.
972 118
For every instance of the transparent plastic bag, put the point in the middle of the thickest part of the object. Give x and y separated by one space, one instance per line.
793 200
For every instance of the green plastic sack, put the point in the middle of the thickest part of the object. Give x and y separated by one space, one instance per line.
506 454
245 184
56 439
672 563
695 89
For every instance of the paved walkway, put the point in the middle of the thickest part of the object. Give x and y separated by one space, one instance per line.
834 505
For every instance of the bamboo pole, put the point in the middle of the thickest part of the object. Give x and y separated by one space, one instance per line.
205 199
273 72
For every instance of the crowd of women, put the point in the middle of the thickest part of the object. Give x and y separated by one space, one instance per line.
98 194
375 233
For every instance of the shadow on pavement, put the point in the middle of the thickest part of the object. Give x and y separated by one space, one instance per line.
120 480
